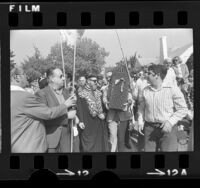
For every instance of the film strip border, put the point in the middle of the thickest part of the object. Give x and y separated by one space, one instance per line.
87 21
88 166
96 15
106 16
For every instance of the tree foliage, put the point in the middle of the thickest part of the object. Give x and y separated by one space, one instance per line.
134 63
90 58
109 69
34 66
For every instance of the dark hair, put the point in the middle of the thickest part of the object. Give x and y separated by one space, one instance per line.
177 57
69 76
158 69
50 72
100 77
91 76
43 83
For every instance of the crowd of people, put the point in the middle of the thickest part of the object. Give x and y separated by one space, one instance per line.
49 117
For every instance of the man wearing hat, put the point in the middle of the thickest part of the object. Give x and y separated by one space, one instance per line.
93 136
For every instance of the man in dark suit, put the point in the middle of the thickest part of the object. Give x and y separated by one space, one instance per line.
58 131
28 133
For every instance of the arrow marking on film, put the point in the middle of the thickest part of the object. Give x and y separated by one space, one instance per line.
66 173
158 173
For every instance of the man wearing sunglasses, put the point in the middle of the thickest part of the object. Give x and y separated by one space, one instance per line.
93 135
54 94
161 107
28 134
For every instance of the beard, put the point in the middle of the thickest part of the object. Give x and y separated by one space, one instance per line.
93 87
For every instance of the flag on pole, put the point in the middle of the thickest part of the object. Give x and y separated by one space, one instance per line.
70 36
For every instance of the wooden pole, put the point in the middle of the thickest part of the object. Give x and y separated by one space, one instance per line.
124 60
74 67
73 90
63 63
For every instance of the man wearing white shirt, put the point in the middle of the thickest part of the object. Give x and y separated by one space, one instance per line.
170 78
161 107
141 83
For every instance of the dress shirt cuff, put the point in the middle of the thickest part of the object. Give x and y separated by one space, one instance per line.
173 121
140 120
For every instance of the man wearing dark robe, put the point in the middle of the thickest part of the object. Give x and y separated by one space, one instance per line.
93 133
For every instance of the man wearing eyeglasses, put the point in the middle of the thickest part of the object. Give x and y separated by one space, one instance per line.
93 135
161 107
28 133
58 131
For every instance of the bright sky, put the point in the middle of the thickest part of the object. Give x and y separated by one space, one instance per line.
144 41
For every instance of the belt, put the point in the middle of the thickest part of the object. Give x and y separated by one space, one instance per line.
154 124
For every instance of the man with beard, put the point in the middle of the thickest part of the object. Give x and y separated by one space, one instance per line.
93 135
81 83
58 131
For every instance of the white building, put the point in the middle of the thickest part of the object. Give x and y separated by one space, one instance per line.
183 52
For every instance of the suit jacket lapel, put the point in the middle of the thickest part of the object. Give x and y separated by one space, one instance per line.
52 95
65 94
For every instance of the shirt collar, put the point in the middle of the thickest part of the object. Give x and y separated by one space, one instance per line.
55 91
164 85
16 88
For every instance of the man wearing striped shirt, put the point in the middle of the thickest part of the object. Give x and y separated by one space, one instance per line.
161 107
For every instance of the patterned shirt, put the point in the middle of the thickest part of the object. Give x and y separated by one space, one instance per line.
94 100
158 106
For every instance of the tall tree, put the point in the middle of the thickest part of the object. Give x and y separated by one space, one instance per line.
134 63
90 57
34 66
